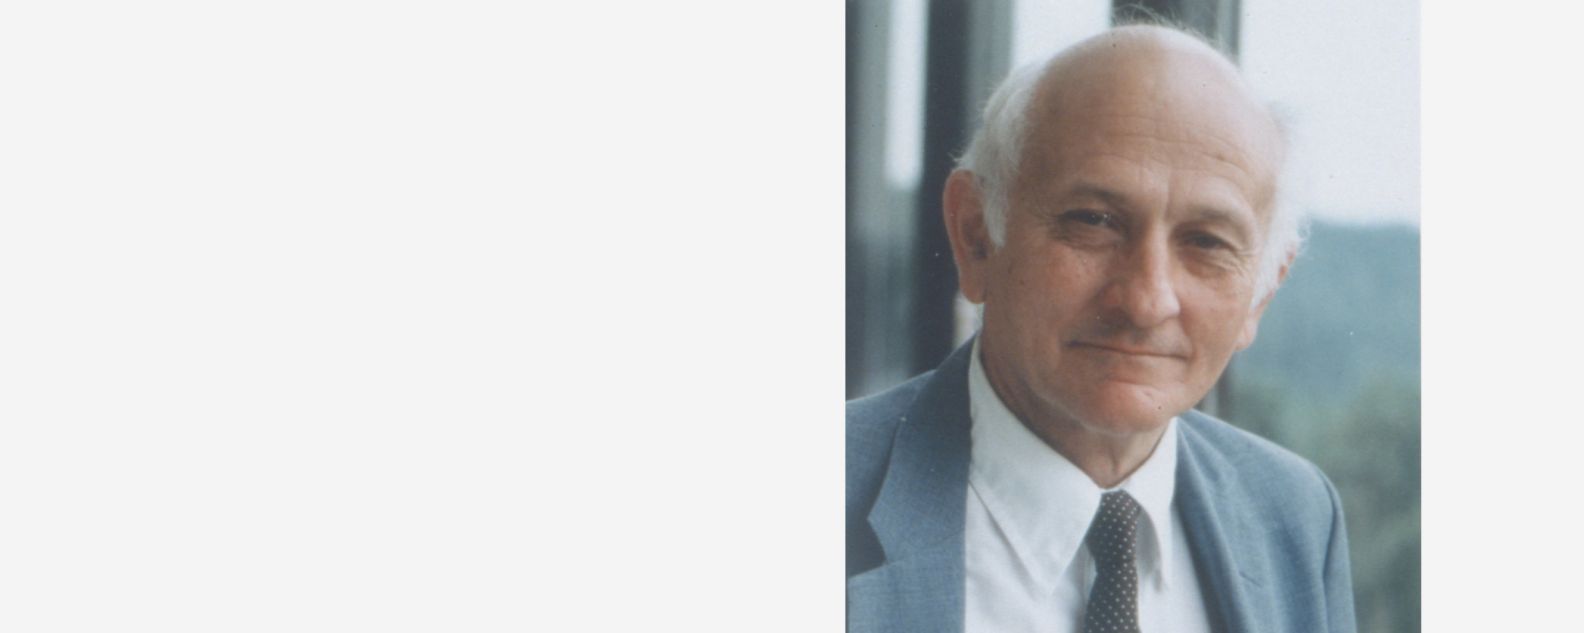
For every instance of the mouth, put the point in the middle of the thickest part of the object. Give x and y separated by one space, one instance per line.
1123 349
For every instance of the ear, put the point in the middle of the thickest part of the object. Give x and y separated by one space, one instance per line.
1251 322
963 206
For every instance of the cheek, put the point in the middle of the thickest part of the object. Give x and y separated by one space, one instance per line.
1051 268
1215 318
1045 290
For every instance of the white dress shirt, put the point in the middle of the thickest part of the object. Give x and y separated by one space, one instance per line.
1028 511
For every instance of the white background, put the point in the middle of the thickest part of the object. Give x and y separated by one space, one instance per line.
330 316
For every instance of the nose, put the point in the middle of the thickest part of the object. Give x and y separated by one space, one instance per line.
1141 288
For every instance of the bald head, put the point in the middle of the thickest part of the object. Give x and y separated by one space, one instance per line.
1168 83
1160 74
1152 65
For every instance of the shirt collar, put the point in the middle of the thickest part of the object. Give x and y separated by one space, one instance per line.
1031 490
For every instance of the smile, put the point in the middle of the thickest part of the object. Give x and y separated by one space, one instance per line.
1118 349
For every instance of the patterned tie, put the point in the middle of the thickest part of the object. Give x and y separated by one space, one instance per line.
1113 603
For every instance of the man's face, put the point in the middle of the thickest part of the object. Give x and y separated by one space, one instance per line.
1132 239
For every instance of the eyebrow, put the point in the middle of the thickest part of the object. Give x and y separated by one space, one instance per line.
1233 221
1108 196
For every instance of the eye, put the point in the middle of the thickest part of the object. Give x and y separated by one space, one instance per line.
1089 228
1091 218
1206 241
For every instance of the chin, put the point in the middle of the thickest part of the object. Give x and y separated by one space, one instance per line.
1125 426
1128 410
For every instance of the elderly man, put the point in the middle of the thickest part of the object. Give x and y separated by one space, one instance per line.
1116 219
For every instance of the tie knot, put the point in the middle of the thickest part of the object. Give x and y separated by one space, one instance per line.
1113 533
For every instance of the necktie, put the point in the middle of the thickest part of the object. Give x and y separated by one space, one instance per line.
1113 603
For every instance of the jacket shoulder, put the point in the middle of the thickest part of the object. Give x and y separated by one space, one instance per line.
1294 529
1289 488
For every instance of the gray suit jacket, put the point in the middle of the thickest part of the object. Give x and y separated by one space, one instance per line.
1264 526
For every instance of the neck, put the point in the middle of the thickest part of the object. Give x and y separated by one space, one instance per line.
1108 460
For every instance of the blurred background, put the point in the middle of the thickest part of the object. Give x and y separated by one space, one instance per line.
1334 374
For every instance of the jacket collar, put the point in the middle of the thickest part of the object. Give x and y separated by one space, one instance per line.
918 514
1212 500
920 505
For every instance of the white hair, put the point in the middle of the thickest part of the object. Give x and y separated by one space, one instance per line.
996 151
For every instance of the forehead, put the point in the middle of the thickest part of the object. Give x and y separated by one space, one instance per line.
1161 120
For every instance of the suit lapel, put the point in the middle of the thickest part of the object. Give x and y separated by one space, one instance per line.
918 515
1225 545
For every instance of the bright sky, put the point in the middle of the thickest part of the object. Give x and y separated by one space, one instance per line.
1346 75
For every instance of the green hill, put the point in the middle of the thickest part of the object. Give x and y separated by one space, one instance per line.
1347 315
1334 376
